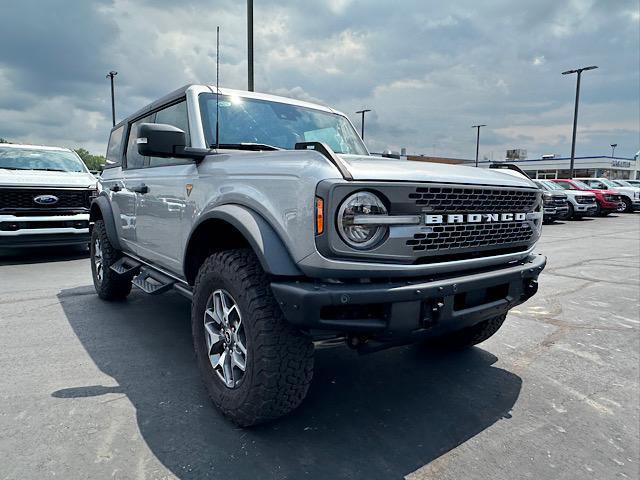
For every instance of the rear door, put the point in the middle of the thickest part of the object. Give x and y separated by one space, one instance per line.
164 205
133 178
113 182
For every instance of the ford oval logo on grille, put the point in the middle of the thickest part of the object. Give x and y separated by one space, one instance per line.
46 199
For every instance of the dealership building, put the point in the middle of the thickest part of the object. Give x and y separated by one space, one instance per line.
558 167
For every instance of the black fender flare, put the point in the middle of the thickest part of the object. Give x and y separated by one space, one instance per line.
101 204
263 239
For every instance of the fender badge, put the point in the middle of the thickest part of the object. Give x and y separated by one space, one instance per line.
189 187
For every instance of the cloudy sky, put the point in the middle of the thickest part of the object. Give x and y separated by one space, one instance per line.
428 69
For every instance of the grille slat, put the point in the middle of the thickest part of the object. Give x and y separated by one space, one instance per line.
469 236
473 200
22 198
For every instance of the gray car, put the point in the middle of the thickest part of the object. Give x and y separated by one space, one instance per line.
273 218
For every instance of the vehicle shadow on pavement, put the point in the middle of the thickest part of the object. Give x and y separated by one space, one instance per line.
382 415
25 256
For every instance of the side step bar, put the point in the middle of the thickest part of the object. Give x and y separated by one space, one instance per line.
152 282
125 266
148 279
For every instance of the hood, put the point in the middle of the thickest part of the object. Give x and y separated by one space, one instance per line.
631 191
42 178
558 194
577 193
363 167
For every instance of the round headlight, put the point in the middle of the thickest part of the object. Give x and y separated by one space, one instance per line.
356 234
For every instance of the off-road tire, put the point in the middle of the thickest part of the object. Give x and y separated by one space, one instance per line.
279 363
112 286
468 337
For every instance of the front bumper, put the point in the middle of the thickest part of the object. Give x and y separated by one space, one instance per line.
45 230
553 212
400 309
585 208
636 205
608 205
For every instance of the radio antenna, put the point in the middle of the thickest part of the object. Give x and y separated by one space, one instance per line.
217 86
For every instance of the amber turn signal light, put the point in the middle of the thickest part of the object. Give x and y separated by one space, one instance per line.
319 215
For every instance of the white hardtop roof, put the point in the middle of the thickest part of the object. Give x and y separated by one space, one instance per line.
34 147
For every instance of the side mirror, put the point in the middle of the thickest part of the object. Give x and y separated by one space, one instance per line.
167 141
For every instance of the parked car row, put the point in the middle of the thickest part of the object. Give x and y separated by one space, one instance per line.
586 197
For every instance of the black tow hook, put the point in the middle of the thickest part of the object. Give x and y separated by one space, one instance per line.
530 287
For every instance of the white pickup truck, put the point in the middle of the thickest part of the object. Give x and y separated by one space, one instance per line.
45 194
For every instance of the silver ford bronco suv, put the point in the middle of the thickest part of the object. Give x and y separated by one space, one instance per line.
273 218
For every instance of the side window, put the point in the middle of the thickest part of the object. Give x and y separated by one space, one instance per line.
114 149
134 159
175 115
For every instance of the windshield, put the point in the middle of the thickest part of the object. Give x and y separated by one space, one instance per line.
34 159
582 185
248 120
622 183
608 183
551 185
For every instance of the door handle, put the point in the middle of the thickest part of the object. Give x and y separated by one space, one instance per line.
115 188
142 188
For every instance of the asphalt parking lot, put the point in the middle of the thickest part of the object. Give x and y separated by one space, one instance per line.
96 390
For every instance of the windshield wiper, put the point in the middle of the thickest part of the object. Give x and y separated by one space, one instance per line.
246 146
14 168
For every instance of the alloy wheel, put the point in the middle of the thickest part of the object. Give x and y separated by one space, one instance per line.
97 259
225 338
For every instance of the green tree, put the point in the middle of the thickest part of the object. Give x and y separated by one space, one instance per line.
93 162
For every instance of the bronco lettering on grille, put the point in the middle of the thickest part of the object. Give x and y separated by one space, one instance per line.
430 219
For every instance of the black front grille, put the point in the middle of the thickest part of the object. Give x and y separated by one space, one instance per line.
23 198
453 237
585 199
559 202
473 199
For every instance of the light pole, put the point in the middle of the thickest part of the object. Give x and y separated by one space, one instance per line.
110 75
477 140
250 45
613 149
575 112
362 126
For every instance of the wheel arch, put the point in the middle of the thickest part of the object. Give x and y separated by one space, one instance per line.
101 210
235 226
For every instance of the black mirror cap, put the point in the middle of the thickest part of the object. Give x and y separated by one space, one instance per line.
160 140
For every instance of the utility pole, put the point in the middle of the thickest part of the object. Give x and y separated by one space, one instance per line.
613 149
477 127
110 75
362 125
575 113
250 45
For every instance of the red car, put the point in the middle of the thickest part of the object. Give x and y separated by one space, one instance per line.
608 200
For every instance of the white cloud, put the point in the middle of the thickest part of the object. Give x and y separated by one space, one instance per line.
539 60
